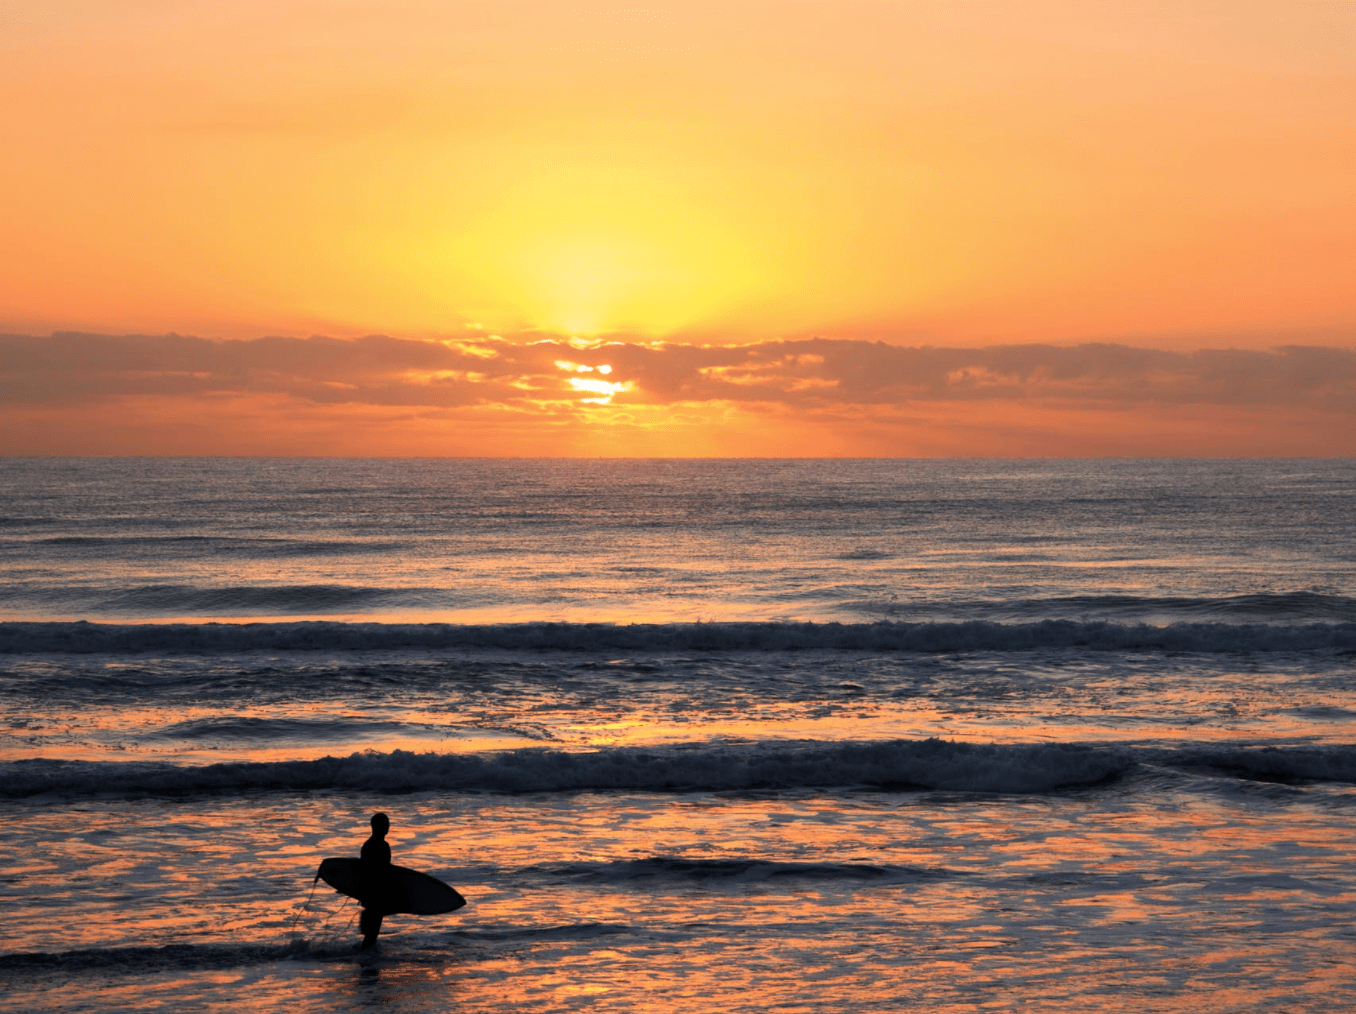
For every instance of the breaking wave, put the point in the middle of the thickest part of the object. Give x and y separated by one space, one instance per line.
710 767
972 635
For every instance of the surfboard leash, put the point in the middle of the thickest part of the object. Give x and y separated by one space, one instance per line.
305 905
348 927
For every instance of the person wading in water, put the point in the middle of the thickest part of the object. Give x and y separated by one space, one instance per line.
376 859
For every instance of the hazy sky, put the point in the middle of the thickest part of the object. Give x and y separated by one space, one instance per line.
999 177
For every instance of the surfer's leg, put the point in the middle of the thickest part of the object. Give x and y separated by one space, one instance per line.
370 923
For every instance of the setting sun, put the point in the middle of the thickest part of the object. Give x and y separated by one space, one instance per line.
955 179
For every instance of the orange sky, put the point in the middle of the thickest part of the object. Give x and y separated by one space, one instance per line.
1174 176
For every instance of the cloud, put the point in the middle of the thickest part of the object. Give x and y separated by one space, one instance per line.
71 393
66 369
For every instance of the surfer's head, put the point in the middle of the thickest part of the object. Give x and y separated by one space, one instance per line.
380 824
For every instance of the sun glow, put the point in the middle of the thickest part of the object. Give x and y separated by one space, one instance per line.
514 182
564 364
519 170
603 391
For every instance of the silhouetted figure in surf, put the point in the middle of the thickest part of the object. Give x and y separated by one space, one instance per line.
376 857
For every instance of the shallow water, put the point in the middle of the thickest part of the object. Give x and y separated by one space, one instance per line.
1167 892
954 735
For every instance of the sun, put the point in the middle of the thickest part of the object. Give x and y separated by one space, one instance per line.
585 284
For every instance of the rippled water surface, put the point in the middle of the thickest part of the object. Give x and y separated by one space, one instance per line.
490 540
772 735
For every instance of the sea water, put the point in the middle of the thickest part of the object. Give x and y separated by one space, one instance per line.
688 735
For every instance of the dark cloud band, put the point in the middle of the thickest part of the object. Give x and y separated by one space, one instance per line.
72 368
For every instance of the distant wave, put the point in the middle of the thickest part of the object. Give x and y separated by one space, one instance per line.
893 764
238 547
178 599
1282 607
971 635
239 727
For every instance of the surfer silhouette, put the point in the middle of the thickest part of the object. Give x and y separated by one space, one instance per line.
376 860
383 889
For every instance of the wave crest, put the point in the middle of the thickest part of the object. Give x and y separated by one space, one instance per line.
972 635
710 767
930 763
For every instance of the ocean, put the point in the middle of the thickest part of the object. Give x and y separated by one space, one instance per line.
713 735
